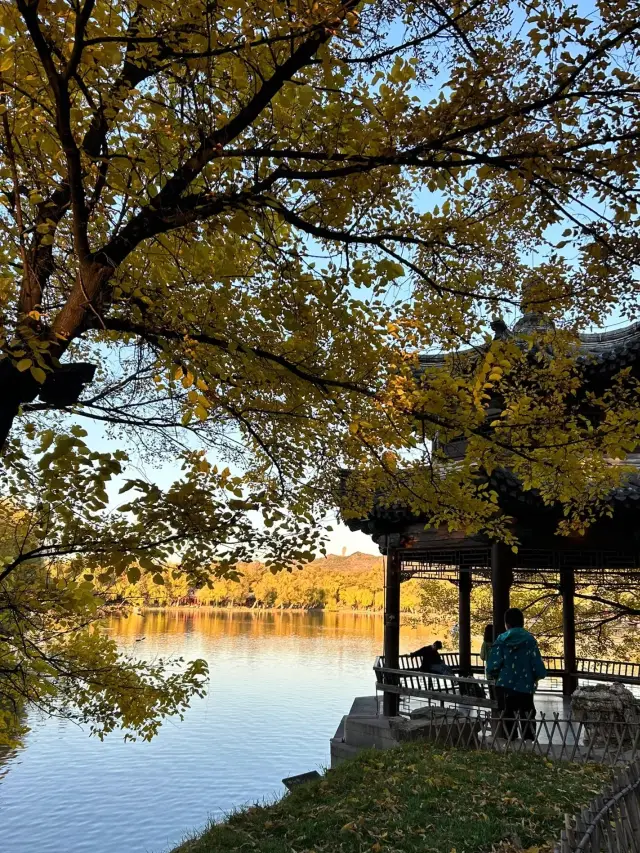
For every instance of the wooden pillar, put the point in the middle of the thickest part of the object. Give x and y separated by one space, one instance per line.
392 626
464 621
568 588
501 580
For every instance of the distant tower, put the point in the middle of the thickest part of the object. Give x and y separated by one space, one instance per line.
344 551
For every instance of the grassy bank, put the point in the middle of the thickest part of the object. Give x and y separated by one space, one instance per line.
415 799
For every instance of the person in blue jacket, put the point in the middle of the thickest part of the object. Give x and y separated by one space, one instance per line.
516 665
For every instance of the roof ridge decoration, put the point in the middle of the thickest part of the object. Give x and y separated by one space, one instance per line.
607 343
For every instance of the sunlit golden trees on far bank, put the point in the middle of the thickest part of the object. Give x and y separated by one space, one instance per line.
333 583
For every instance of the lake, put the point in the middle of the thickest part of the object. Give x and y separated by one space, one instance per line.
279 684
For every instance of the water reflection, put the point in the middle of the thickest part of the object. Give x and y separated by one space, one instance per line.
6 756
216 622
280 682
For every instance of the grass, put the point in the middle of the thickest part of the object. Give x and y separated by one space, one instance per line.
416 798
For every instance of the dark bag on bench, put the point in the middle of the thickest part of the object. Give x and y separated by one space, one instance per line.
474 690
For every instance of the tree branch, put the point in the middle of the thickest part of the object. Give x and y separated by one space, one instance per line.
155 336
60 91
616 605
82 19
168 199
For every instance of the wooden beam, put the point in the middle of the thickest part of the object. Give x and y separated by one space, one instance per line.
501 580
464 621
391 704
568 588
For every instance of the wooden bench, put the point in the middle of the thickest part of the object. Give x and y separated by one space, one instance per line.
445 689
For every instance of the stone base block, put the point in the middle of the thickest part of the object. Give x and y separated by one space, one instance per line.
368 732
341 752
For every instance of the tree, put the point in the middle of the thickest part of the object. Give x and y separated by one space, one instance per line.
606 613
65 560
231 226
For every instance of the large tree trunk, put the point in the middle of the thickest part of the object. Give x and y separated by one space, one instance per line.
82 310
62 388
16 388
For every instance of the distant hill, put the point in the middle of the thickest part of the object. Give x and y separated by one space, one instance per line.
356 563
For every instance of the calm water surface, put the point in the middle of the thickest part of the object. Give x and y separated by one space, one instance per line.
280 683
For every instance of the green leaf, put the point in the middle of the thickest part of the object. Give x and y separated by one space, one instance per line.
46 440
38 374
133 574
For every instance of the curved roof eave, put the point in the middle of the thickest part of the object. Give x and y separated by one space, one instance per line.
603 341
611 346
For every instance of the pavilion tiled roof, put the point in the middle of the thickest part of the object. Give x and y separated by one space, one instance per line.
602 355
512 497
600 352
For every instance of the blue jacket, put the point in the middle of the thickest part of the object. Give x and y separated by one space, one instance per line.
515 661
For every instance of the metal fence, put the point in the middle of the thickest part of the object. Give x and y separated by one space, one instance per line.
551 736
610 823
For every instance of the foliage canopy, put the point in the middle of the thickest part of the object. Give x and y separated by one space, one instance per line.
230 226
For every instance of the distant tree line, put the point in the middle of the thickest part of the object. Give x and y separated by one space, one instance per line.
330 584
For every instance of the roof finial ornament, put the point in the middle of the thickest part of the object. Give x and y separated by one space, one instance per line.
532 319
500 330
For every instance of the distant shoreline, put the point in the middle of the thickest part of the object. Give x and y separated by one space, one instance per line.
191 608
150 608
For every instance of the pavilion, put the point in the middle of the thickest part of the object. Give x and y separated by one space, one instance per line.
609 551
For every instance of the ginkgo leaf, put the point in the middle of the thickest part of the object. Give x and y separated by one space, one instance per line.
38 374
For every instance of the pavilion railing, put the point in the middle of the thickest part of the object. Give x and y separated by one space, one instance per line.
611 822
414 687
553 663
623 670
586 668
